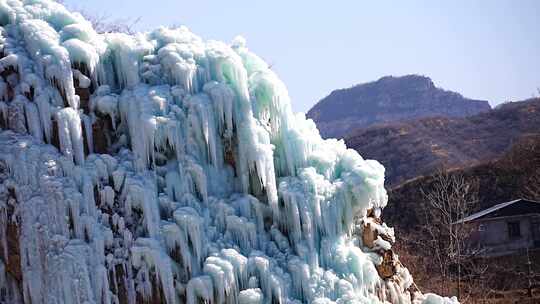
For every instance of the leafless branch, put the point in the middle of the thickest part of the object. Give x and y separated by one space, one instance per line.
448 200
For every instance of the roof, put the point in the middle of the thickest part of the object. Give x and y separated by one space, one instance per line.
492 210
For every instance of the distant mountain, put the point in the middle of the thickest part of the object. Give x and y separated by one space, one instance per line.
413 148
389 99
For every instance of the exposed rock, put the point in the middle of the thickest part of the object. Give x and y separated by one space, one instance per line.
12 261
99 134
387 268
369 235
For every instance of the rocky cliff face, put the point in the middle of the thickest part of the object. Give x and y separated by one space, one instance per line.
388 99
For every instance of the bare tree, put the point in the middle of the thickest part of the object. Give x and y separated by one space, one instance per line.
480 277
532 188
103 23
450 198
529 148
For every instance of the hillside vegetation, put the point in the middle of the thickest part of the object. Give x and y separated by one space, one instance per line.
516 174
415 148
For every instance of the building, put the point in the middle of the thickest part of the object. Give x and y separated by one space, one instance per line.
505 228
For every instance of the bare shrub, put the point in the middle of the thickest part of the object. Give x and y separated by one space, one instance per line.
104 23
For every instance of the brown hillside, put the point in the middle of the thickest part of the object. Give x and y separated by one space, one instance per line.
415 148
504 179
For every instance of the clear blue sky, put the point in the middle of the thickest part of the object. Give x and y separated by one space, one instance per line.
483 49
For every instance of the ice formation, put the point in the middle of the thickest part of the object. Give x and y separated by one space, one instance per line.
162 168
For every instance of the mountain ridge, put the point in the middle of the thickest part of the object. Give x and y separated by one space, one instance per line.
389 99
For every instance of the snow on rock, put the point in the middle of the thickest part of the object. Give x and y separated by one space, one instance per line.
162 168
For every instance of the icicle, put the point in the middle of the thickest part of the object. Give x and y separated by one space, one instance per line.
107 196
223 277
239 263
34 123
242 232
42 44
70 134
88 129
192 240
148 252
107 104
141 195
42 102
16 118
200 288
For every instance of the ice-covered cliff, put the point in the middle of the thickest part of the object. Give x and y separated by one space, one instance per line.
161 168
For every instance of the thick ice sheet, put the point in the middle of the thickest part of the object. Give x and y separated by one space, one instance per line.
211 189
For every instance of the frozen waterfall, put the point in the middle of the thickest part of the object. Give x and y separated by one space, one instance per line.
162 168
